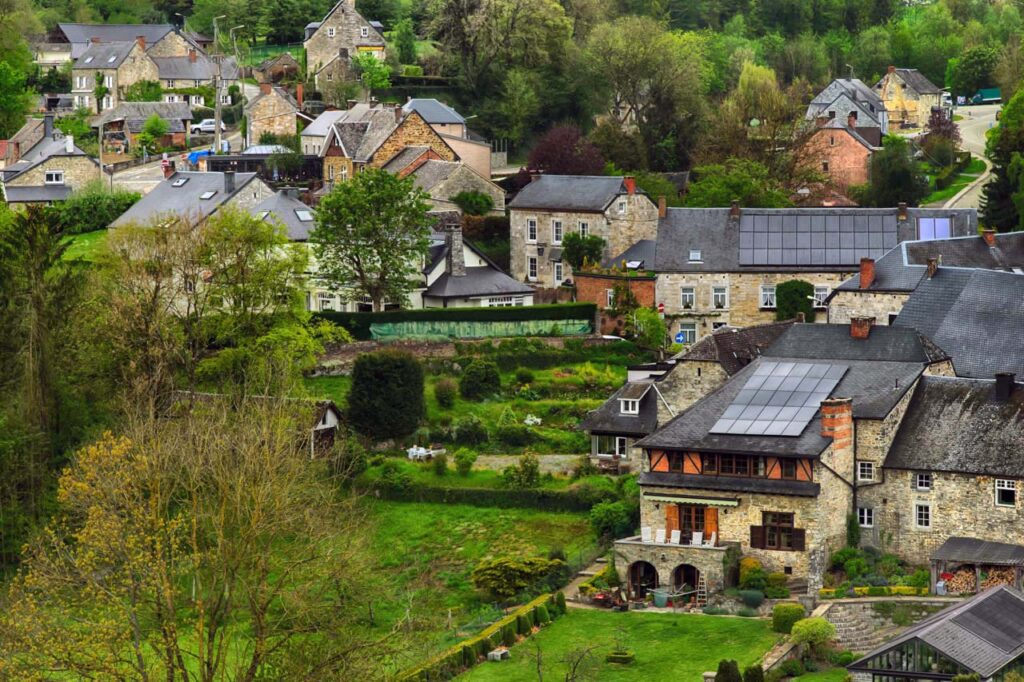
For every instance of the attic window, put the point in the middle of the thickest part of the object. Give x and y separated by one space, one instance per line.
330 32
179 182
88 60
207 195
111 59
304 215
695 256
364 32
629 406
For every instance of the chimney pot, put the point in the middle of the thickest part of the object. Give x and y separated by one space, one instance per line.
662 207
229 182
456 260
630 183
901 213
1004 386
989 235
933 267
734 209
264 88
299 91
867 272
398 114
860 327
192 55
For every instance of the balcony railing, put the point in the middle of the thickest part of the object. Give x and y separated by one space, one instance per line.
713 544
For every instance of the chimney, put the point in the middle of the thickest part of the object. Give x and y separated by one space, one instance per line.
69 144
933 267
892 69
229 182
734 209
351 102
192 55
662 207
630 182
860 327
16 152
398 115
95 40
837 421
264 87
169 169
851 120
1004 386
867 272
48 126
989 235
801 317
901 213
141 42
299 91
455 264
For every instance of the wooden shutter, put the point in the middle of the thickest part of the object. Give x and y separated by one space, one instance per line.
799 539
671 518
710 523
757 537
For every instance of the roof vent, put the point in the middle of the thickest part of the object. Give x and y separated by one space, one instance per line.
1004 386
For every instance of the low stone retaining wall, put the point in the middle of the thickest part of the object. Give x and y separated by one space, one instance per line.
864 624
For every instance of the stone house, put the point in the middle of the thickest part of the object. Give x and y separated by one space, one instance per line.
26 137
908 96
474 151
119 64
849 98
314 136
552 206
443 180
49 171
277 68
66 42
195 196
720 267
179 75
842 151
122 123
331 43
273 111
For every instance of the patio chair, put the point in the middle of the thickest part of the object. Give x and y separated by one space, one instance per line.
659 536
677 535
711 540
645 534
697 539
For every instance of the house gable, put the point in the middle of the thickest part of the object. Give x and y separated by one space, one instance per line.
343 32
412 131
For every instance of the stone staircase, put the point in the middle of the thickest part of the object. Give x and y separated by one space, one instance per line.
857 630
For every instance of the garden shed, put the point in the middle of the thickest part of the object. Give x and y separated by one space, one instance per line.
967 565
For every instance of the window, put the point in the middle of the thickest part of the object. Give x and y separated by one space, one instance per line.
768 296
196 83
108 102
694 256
330 32
197 100
687 298
170 83
1006 493
831 114
108 81
820 294
330 76
364 32
207 195
531 229
778 530
622 207
504 301
558 272
556 231
687 333
719 298
178 182
824 166
326 301
611 446
55 177
866 517
609 298
865 471
922 481
531 267
79 82
225 99
832 140
88 60
923 515
629 406
584 229
190 285
304 215
788 467
933 228
171 98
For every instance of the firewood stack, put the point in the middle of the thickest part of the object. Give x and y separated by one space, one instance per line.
999 576
962 582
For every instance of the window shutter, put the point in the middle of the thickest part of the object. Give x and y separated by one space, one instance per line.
799 539
671 518
710 523
757 537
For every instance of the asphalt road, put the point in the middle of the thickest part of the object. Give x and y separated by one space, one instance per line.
976 122
145 177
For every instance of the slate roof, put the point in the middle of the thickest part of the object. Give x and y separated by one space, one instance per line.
956 424
169 111
363 129
587 193
402 159
767 486
856 133
854 89
166 199
321 125
642 251
916 81
434 111
202 69
36 194
735 348
834 342
277 90
81 35
976 316
485 280
609 418
984 633
972 550
284 207
433 172
104 55
44 149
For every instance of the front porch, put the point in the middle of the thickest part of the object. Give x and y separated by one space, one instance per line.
645 564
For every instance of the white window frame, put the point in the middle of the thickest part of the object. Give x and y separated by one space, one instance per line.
330 31
719 292
531 230
927 509
629 407
821 292
197 100
622 207
531 268
1002 484
695 256
170 82
865 471
584 229
364 31
866 517
53 177
688 298
499 302
923 481
767 297
559 272
330 76
619 446
689 331
557 231
609 298
325 301
108 102
225 99
108 81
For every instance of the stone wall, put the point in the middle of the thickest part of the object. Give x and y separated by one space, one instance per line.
337 168
347 24
171 45
465 179
270 113
905 104
686 383
667 557
846 158
846 304
78 172
251 195
136 67
413 131
640 221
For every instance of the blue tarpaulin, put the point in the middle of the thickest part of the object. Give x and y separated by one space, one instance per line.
193 157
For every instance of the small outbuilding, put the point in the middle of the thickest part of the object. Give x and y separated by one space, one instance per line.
963 565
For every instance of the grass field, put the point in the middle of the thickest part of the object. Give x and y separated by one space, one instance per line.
667 646
86 246
969 174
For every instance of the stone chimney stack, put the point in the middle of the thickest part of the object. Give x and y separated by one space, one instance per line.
860 327
229 182
169 169
192 55
141 42
455 263
734 210
989 235
867 272
933 267
837 421
662 207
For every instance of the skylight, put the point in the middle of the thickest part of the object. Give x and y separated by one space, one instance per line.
88 60
304 216
179 182
207 195
263 215
695 256
111 59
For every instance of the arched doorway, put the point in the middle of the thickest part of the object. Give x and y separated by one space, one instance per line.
642 577
685 574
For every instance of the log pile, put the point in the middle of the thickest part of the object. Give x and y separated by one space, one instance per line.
999 576
962 582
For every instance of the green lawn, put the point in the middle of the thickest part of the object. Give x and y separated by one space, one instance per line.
975 168
667 646
86 246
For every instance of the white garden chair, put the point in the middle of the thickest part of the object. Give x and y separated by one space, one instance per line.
677 535
659 536
711 540
645 534
697 539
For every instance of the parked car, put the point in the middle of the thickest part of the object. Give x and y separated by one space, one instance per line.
207 126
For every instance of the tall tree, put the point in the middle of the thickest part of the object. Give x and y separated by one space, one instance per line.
371 237
975 70
563 150
748 182
405 41
998 209
15 100
895 176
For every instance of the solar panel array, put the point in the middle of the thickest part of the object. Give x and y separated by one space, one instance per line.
780 399
814 239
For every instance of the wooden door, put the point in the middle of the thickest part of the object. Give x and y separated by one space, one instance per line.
691 520
711 524
671 519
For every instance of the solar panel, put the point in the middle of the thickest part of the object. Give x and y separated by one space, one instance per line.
780 399
816 239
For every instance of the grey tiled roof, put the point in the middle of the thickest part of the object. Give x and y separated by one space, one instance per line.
44 149
104 55
916 81
483 280
735 348
434 111
609 418
169 111
569 193
402 159
427 176
834 342
36 193
766 486
321 125
285 209
183 68
972 550
184 201
108 33
642 251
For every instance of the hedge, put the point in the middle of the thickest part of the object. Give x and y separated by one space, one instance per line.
469 652
891 591
534 498
359 323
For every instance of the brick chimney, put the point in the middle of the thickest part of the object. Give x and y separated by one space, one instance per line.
169 169
662 207
851 120
989 235
299 91
229 182
734 209
264 88
141 42
1004 386
867 272
860 327
455 262
837 421
192 55
95 40
933 267
630 182
901 212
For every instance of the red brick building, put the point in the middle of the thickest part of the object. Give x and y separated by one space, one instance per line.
601 288
843 152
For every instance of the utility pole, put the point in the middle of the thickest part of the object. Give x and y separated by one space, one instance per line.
99 154
216 87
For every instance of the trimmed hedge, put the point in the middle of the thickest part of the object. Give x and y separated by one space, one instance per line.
785 615
468 653
534 498
891 591
359 323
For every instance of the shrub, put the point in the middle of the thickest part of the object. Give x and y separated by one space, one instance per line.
611 520
746 612
814 632
752 598
480 379
794 297
920 579
440 465
505 577
754 673
973 677
842 658
584 467
524 376
542 615
755 579
776 592
728 671
473 203
748 564
855 568
777 579
92 208
852 531
560 601
444 391
514 435
386 398
792 667
785 615
842 556
392 475
464 460
524 474
469 430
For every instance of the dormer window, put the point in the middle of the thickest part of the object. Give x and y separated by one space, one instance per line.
629 406
55 177
695 256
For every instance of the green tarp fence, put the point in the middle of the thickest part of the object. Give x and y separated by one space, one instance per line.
479 329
